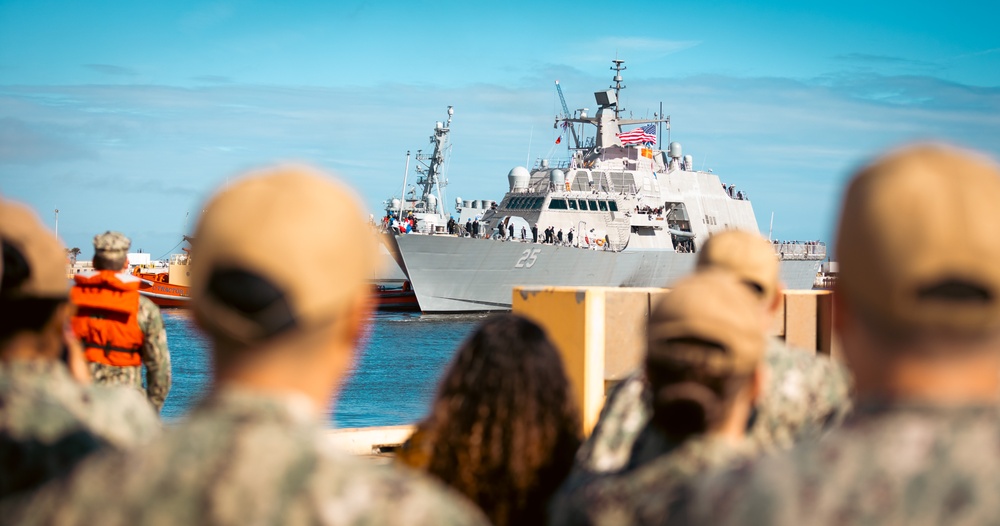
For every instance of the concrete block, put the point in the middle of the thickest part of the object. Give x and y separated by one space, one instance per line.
574 320
364 441
626 314
809 319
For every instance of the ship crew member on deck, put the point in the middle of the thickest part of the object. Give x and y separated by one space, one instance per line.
534 233
121 330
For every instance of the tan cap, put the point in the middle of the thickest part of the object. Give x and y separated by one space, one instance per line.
283 248
712 306
917 241
38 270
746 254
112 243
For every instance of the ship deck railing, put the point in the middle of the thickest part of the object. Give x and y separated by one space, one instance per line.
800 250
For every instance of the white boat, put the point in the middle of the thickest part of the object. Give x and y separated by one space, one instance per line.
638 215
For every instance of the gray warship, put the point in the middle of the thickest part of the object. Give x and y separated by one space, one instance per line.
628 214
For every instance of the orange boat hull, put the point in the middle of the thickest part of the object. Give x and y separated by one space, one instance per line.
164 294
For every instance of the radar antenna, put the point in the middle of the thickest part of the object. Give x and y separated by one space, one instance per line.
618 87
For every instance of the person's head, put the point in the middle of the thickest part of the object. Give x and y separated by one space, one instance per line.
751 258
704 356
503 427
917 301
34 292
111 251
279 271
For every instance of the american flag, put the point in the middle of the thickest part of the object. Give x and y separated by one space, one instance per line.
639 135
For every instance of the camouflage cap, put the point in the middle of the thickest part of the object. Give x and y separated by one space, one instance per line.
747 255
917 241
284 248
112 242
35 260
711 306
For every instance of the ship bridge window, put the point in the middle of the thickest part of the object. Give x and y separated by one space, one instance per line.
572 204
557 204
593 205
613 206
603 205
537 203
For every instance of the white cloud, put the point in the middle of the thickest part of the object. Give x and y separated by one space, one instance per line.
789 143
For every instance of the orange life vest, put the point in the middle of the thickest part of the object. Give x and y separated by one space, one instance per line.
107 317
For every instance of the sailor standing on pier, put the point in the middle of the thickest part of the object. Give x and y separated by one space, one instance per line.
255 450
917 310
121 330
50 418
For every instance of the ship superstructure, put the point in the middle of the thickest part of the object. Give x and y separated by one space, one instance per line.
618 212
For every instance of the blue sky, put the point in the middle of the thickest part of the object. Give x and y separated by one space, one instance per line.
126 115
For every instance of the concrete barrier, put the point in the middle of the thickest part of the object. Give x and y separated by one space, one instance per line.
600 331
370 441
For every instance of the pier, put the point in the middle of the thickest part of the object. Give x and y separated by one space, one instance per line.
599 332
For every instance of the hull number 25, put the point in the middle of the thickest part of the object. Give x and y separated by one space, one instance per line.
528 258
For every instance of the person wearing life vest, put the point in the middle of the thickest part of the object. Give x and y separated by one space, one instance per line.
121 331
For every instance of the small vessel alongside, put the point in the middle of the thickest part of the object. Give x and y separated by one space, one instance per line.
167 288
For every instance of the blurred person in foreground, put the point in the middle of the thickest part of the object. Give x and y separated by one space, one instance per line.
503 428
917 308
705 365
49 418
805 394
121 330
254 451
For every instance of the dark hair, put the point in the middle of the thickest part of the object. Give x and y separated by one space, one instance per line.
688 400
504 428
103 261
21 314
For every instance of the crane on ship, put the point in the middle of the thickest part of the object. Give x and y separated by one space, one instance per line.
562 99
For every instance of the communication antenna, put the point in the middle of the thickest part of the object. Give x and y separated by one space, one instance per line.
618 86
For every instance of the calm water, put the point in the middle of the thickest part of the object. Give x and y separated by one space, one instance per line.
392 382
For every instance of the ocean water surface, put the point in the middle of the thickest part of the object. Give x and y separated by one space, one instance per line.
392 381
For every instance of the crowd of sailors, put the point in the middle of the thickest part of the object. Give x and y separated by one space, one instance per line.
720 423
732 192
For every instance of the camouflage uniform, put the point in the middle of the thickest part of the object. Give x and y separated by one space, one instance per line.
904 464
805 395
155 358
244 458
645 495
48 421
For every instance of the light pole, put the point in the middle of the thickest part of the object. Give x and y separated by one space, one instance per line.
57 222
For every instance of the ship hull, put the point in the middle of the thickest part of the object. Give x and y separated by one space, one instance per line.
165 294
453 274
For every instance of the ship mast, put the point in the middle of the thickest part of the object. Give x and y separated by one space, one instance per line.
618 86
429 171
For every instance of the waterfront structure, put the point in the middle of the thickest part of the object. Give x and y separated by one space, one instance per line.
637 215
